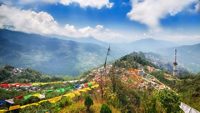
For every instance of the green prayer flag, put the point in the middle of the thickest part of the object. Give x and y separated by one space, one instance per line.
48 91
62 90
27 97
90 84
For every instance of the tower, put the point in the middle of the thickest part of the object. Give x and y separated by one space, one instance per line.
175 71
104 73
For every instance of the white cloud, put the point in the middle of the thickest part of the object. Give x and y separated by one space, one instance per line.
82 3
43 23
150 12
36 1
89 3
197 7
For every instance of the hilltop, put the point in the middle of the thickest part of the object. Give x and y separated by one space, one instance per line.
132 77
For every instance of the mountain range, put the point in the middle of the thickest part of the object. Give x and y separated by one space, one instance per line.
48 55
72 56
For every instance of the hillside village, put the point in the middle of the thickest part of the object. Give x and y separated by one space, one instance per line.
134 78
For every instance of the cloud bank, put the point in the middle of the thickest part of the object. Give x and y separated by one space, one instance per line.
82 3
43 23
150 12
89 3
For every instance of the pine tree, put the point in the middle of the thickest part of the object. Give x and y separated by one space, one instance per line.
88 102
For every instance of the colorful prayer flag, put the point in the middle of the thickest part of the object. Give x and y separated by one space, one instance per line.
27 97
14 107
11 101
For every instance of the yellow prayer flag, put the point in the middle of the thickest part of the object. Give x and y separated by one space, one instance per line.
70 95
83 90
42 101
35 84
36 95
27 105
95 86
88 89
3 111
14 107
77 93
54 100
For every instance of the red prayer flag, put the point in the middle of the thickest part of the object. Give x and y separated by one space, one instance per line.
19 97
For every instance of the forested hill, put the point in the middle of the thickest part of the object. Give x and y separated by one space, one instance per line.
10 74
134 60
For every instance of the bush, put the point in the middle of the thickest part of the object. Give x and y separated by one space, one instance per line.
169 100
88 102
64 102
105 109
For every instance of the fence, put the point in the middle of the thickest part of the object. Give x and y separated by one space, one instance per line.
188 109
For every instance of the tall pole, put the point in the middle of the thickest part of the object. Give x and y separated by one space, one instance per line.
108 52
175 64
104 71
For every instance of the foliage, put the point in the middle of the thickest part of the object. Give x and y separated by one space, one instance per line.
161 77
105 109
127 99
169 100
64 102
88 102
5 94
10 74
189 90
133 60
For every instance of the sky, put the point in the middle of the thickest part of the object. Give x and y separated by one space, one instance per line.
113 21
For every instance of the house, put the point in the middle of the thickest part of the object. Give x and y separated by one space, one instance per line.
150 69
139 72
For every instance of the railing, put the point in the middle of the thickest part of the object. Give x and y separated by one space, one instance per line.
188 109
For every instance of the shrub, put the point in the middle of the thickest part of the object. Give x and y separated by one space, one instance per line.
169 100
105 109
64 102
88 102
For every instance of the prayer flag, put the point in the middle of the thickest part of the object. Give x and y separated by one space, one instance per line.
14 107
3 111
11 101
19 97
27 97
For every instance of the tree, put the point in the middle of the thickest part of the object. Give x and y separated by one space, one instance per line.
169 100
88 102
105 109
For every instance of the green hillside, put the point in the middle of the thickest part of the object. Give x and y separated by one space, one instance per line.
10 74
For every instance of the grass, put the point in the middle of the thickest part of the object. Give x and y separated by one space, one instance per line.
78 107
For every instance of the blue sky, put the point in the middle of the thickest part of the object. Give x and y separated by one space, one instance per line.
123 20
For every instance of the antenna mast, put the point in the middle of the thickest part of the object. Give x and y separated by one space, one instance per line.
175 71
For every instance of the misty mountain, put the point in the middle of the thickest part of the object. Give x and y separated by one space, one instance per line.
151 45
75 55
48 55
162 52
164 63
187 56
88 40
